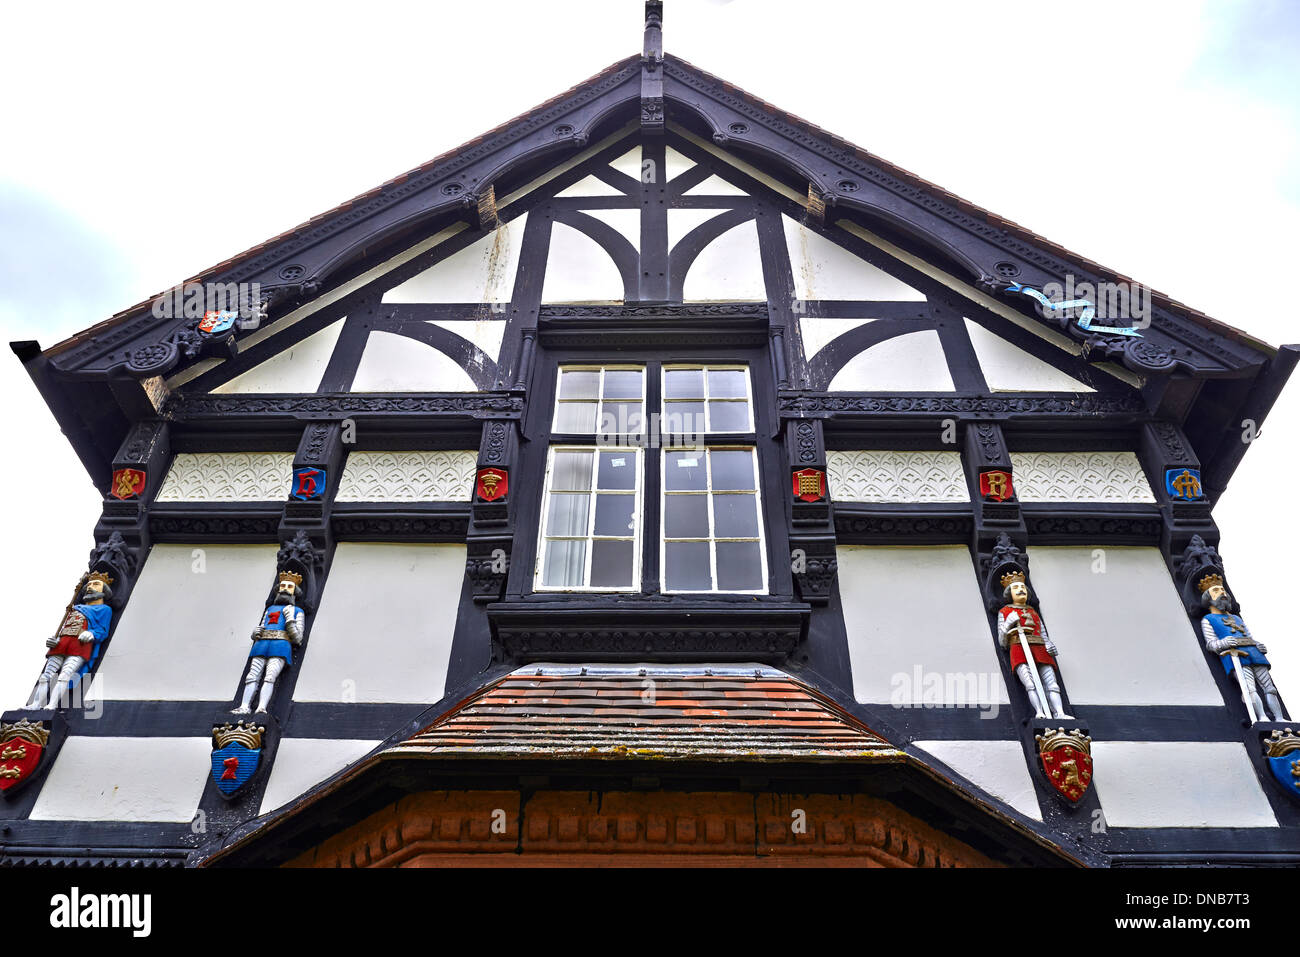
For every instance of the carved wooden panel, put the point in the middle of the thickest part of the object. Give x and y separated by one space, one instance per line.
227 477
1079 477
872 475
408 477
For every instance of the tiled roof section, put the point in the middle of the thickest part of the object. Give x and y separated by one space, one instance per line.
731 713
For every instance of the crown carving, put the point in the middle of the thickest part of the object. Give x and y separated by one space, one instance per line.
1010 577
1208 582
101 577
34 732
249 735
287 576
1281 742
1060 738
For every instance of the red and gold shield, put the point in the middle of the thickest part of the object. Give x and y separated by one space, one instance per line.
1067 761
809 485
21 746
996 485
127 483
492 484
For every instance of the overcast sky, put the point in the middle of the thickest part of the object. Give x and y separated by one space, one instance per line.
146 142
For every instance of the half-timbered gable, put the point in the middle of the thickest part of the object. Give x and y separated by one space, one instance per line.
662 396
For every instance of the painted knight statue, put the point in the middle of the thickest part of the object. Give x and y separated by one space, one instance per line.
1033 656
76 643
1243 658
280 631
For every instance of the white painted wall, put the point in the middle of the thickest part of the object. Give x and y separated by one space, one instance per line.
729 268
395 363
997 766
486 334
912 362
1123 636
626 221
714 186
184 635
1008 368
302 763
1178 784
818 331
579 270
589 186
125 779
297 369
385 624
481 272
823 270
901 634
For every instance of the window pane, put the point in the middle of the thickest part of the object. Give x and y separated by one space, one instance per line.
729 417
683 418
734 516
686 566
684 471
575 417
732 468
727 384
611 563
567 514
622 384
620 418
571 470
613 517
579 384
617 470
740 566
683 384
564 563
686 516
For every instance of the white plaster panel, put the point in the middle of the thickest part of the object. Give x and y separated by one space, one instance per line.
487 334
1079 477
877 475
184 635
395 363
227 477
385 625
629 163
1123 636
912 362
125 779
297 369
626 221
912 613
579 270
682 221
407 477
590 186
1178 784
823 270
303 763
714 186
1008 368
996 766
818 331
481 272
729 268
676 163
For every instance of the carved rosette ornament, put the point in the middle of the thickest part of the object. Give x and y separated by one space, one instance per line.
23 744
1282 751
1066 759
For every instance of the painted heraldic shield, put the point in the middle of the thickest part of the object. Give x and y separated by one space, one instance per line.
1067 761
236 754
1282 751
22 745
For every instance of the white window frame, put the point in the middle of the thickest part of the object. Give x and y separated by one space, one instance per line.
705 369
600 396
712 540
539 570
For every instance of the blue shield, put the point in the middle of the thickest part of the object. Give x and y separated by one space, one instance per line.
1287 770
233 765
1184 484
217 322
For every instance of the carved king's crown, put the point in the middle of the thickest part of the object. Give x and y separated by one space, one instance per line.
1010 577
101 577
1208 582
293 577
24 730
249 735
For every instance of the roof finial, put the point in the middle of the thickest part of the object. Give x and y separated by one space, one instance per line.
652 76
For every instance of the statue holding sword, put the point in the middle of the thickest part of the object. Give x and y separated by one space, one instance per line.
1227 636
1022 633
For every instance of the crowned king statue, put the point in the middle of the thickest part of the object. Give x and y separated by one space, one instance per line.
1021 631
85 624
273 643
1227 636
